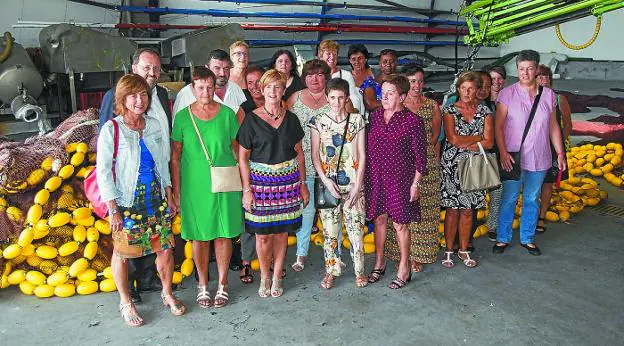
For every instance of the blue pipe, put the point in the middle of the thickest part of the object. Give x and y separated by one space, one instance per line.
347 42
229 13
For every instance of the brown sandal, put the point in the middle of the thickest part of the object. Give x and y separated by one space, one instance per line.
376 274
246 277
361 281
327 282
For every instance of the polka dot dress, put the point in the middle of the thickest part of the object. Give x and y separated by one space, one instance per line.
395 152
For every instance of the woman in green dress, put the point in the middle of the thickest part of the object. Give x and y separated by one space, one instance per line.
206 216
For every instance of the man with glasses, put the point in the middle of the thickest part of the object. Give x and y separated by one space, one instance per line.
145 63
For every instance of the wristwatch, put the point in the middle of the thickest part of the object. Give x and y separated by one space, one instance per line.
112 211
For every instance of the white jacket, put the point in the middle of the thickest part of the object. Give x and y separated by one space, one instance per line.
128 159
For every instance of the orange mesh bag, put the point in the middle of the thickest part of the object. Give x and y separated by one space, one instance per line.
81 126
22 163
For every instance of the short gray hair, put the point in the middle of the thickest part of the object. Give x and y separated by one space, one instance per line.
528 55
137 54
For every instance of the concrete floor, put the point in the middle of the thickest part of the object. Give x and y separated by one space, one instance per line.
570 295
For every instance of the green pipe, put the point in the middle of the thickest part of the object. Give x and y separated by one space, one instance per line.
524 6
484 6
606 8
549 15
8 45
523 14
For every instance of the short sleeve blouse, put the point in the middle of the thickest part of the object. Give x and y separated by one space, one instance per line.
270 145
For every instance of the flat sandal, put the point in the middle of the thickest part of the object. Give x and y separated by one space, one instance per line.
203 295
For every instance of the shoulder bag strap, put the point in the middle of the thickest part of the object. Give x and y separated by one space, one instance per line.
115 145
532 114
344 139
200 137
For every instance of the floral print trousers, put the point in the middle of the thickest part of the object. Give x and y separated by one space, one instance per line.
354 218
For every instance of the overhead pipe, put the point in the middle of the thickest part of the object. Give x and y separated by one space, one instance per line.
263 27
307 28
345 5
229 13
347 42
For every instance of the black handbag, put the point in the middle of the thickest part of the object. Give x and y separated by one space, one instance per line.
323 199
553 173
514 174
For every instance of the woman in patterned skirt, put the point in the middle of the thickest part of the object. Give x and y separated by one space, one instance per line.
424 234
272 167
466 123
136 187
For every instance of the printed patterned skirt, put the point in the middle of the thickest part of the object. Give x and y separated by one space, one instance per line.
276 189
146 225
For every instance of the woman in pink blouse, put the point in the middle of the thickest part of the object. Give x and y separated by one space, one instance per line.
396 144
514 105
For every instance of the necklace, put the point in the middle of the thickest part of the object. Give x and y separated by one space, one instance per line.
417 99
316 101
273 116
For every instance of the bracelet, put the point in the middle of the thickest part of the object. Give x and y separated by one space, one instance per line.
416 184
112 211
247 189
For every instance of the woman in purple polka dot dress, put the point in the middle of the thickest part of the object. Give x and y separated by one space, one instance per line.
396 147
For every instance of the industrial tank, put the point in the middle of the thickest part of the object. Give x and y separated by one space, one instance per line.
20 82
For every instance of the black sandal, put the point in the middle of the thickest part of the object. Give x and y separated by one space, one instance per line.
377 274
247 276
499 248
398 283
538 228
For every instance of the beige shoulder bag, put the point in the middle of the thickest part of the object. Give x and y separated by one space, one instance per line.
224 179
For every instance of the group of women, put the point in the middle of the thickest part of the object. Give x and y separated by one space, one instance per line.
372 141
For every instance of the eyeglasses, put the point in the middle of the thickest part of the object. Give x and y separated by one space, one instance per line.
148 68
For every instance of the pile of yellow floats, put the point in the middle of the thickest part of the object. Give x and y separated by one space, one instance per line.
59 251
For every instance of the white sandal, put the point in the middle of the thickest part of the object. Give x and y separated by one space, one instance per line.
222 295
132 320
448 262
298 265
468 262
203 295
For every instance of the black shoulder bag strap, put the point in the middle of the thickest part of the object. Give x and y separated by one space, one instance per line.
344 140
532 114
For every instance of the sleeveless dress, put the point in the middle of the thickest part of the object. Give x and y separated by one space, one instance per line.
305 113
424 233
452 195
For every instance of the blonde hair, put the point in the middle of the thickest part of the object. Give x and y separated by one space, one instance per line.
272 76
130 84
328 45
238 44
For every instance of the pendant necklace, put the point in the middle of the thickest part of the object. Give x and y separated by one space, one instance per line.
275 116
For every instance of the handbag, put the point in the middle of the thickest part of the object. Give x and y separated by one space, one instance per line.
323 199
91 189
514 174
478 171
223 179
